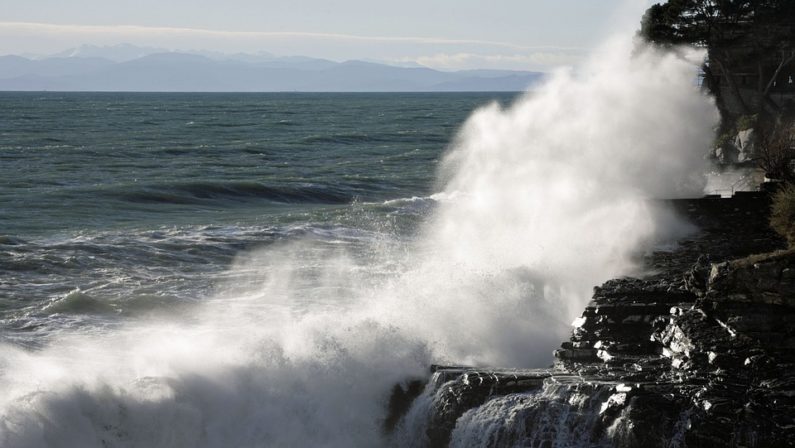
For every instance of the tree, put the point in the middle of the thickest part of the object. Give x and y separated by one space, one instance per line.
738 35
775 151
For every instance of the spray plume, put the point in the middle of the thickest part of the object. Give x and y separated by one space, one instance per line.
541 201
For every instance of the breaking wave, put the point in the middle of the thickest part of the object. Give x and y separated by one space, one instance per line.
304 340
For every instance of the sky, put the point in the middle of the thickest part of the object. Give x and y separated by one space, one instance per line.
442 34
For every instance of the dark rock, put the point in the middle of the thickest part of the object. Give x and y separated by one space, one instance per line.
767 279
472 388
696 278
698 353
400 401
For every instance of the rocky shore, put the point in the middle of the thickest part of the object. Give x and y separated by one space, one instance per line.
697 354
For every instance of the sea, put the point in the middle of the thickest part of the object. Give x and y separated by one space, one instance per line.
264 270
170 264
117 204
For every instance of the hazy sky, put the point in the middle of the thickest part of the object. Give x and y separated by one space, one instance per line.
446 34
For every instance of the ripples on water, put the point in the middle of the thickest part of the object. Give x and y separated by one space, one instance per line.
117 205
294 221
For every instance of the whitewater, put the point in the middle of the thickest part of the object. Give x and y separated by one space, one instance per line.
302 340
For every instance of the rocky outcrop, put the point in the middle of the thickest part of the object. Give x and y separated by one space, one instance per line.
698 354
763 279
738 150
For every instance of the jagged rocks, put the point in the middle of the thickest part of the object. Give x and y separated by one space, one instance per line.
619 320
740 149
699 353
469 388
764 279
697 277
735 405
546 408
400 401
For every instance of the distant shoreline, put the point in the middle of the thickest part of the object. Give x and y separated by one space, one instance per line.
177 72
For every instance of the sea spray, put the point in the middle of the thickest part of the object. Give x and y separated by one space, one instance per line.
559 415
541 201
556 189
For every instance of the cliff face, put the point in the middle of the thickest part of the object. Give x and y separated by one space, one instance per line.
751 49
698 354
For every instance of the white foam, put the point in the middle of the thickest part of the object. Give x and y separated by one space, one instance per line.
542 201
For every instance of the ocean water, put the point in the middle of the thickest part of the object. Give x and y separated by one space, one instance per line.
260 270
114 204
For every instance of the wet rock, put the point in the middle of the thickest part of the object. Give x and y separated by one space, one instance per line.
400 401
697 277
767 279
470 388
698 353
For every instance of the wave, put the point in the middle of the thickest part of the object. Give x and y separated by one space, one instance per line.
304 341
78 302
202 192
8 240
436 197
351 138
345 138
230 125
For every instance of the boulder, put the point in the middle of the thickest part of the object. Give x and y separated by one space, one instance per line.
745 142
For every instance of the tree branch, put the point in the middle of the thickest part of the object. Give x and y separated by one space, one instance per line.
783 63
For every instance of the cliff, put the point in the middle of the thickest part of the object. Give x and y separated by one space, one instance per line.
698 354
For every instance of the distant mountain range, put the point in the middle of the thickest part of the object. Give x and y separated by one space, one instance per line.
130 68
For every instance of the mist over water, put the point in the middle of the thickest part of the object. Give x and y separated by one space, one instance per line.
555 188
538 202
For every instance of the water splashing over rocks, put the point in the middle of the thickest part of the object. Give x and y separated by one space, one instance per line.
676 358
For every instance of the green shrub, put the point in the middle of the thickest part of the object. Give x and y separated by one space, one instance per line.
782 214
727 138
746 122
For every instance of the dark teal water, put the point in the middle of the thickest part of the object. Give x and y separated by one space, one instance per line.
110 203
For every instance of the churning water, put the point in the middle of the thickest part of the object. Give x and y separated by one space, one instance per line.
260 270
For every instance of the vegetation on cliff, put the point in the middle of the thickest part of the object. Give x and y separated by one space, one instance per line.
750 66
750 44
782 215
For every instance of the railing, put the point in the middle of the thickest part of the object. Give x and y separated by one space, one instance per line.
733 187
